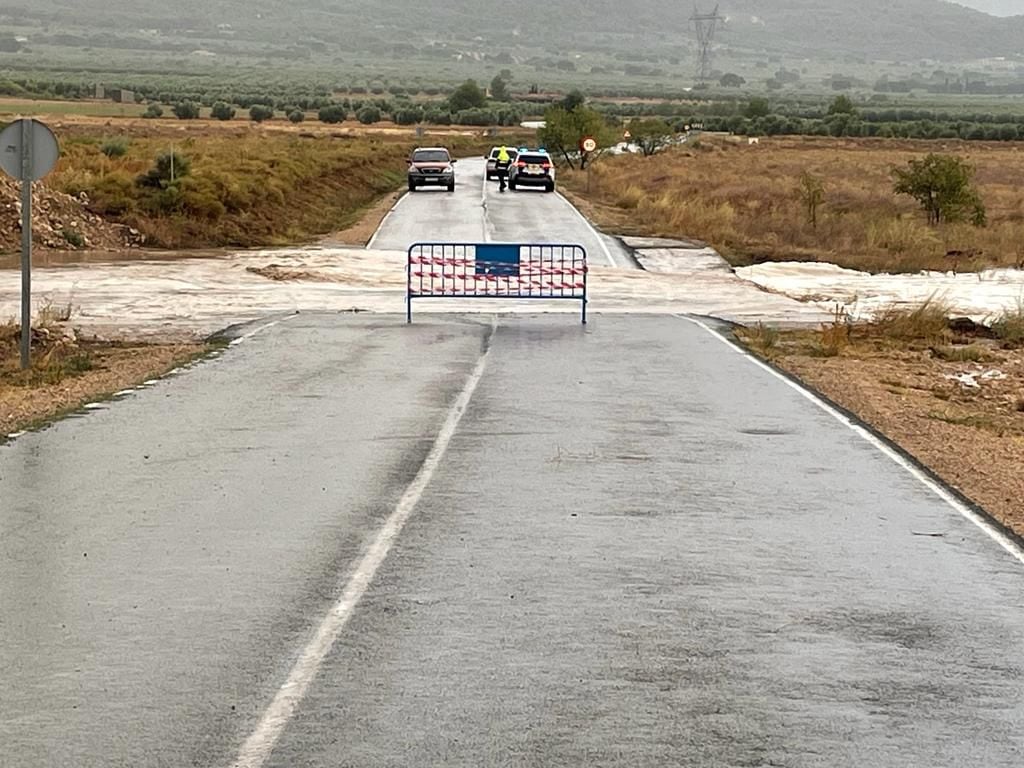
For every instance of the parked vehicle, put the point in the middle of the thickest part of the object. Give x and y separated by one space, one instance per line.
532 168
431 166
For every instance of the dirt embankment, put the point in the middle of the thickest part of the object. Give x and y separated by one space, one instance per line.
59 222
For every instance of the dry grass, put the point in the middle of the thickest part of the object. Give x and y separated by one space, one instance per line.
247 186
928 321
1009 326
972 353
762 338
746 201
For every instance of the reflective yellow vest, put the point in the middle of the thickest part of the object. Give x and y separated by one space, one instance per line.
503 156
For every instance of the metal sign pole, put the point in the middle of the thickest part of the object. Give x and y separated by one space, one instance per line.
26 244
28 151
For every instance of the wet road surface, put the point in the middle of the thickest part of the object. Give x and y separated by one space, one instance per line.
478 212
638 548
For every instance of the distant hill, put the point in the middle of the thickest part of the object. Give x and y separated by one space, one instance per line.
872 29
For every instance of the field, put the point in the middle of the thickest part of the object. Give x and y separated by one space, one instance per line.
746 201
235 184
40 108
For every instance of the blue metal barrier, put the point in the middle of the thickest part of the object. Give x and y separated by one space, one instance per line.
496 271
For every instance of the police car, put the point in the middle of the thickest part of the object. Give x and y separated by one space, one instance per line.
532 168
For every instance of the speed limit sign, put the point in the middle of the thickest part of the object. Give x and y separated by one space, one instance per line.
588 144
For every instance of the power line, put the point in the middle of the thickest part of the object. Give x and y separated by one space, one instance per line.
706 25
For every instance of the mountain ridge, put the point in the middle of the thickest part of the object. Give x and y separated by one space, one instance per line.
892 30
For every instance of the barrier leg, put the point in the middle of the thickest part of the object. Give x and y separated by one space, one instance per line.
408 308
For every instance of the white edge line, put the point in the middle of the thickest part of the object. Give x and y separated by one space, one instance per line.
260 744
175 372
981 522
593 230
258 329
380 227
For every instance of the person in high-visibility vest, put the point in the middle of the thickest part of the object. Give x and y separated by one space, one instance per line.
501 164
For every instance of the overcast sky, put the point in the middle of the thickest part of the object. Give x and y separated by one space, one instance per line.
996 7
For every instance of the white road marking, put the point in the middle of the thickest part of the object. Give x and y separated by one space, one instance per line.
258 329
593 230
483 207
384 221
260 744
985 525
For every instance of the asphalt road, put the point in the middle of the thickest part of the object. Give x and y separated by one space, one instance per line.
477 212
458 544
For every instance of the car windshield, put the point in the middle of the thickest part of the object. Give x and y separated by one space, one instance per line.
533 159
430 156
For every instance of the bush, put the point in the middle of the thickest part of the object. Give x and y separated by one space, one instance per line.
186 110
73 238
153 111
438 117
260 112
408 115
479 117
1009 327
296 116
221 110
115 147
168 168
333 114
941 184
368 115
467 96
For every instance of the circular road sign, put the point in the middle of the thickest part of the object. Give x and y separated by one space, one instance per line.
588 144
44 149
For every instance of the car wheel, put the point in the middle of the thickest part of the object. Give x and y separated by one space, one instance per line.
412 186
451 187
512 186
549 188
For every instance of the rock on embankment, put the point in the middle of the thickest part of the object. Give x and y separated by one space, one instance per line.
60 222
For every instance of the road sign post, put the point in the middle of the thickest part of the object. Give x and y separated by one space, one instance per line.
588 144
28 151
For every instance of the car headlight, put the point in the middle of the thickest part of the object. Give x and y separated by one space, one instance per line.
448 171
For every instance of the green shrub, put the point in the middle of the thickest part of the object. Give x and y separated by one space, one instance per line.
408 116
168 168
333 114
368 115
186 110
221 110
260 112
115 147
73 238
153 111
296 116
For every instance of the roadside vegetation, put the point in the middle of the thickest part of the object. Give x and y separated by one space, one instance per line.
872 205
68 371
209 190
244 187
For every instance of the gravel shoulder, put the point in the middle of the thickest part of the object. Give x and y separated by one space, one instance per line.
65 379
